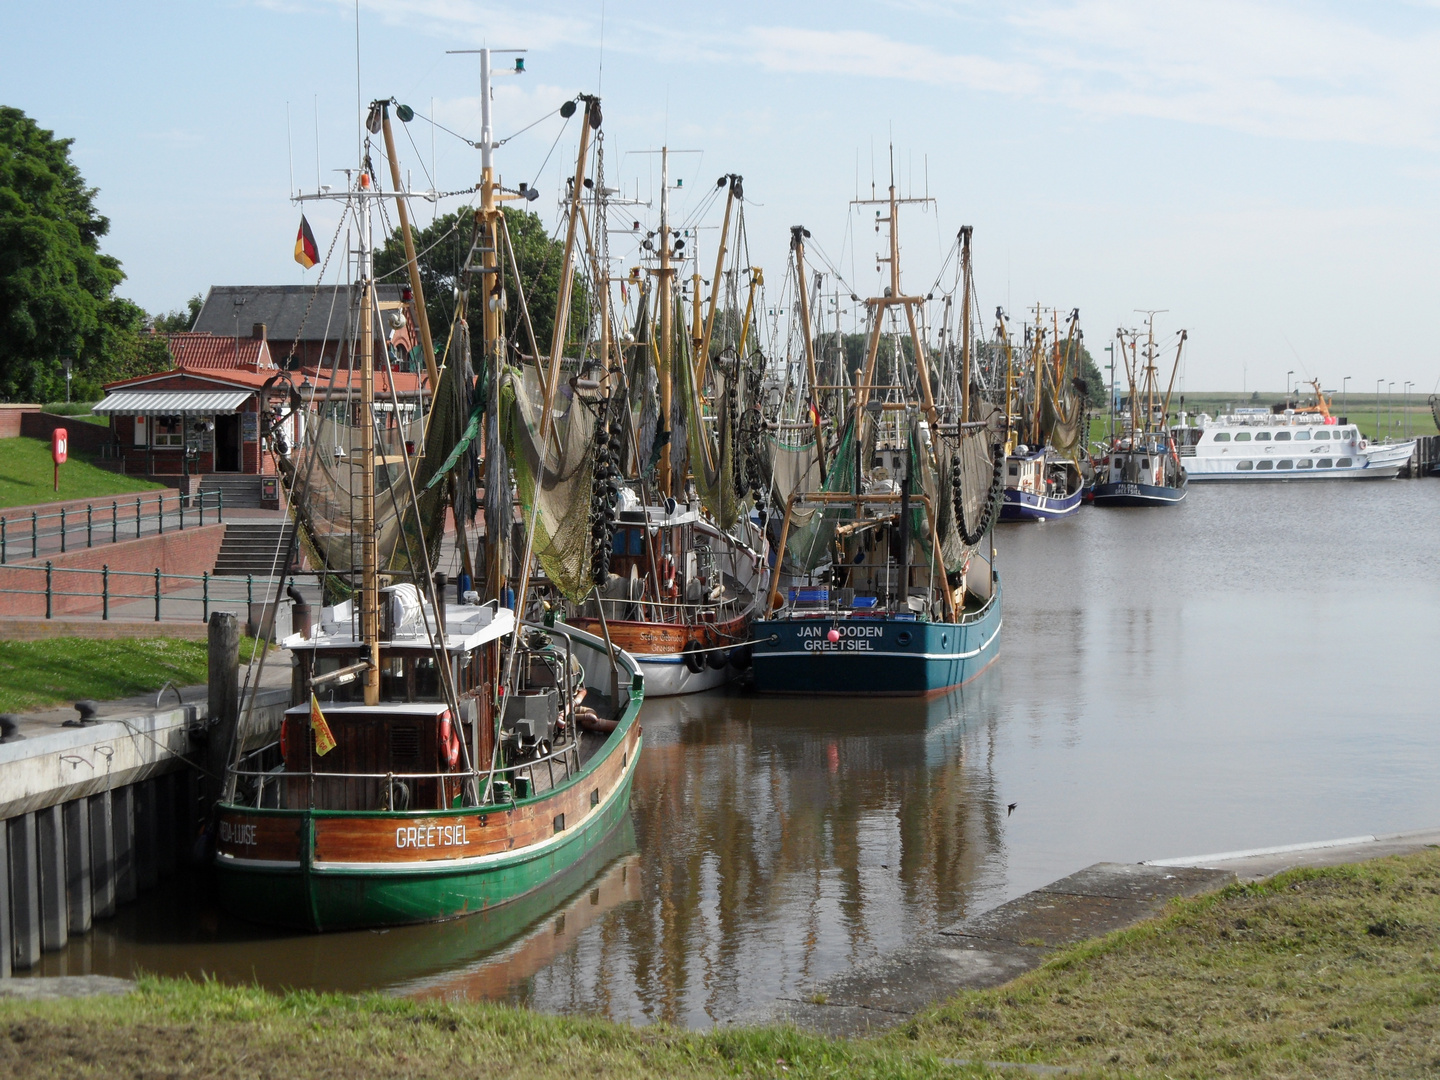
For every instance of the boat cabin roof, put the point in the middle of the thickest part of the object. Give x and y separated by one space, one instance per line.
467 627
394 708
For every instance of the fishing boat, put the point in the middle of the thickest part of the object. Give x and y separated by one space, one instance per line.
892 583
1040 485
1289 442
679 560
1141 466
439 758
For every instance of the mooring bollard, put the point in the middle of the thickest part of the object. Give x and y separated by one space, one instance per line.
157 594
105 592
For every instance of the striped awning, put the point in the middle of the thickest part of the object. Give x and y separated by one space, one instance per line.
172 402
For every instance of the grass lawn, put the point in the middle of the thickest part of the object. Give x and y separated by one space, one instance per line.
34 674
27 475
1329 973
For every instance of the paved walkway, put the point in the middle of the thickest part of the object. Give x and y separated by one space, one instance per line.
996 946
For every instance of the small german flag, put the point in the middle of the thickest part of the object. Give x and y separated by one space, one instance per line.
324 740
306 253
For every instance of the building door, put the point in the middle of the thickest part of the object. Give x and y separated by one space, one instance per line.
227 443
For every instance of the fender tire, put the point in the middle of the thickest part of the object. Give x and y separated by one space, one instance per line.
694 658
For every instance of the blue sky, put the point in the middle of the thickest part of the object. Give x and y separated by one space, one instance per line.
1265 171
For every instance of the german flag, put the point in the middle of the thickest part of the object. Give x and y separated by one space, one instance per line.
324 740
306 253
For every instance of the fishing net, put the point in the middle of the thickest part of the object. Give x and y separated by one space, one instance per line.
712 466
964 485
809 545
554 482
793 467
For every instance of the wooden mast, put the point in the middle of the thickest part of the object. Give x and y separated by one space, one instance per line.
422 317
802 287
667 345
965 233
702 347
369 553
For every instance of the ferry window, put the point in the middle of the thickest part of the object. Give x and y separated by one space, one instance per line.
1343 463
1299 435
1322 434
1282 436
1242 436
1262 436
1244 466
1222 436
1286 464
1324 463
1265 465
1304 463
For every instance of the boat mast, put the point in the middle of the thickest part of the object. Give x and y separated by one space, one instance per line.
965 233
369 547
797 244
667 346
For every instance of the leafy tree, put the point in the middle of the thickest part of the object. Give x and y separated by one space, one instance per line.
57 290
442 248
176 322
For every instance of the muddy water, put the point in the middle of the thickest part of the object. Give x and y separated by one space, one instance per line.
1257 666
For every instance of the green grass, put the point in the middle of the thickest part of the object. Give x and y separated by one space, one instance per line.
35 674
1329 973
27 475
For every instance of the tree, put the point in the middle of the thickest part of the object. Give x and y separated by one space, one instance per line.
57 290
177 322
441 250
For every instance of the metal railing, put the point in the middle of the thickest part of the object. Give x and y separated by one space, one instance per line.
21 536
161 588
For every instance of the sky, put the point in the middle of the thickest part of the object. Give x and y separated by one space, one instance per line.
1265 172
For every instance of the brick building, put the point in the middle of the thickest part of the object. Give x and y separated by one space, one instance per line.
307 326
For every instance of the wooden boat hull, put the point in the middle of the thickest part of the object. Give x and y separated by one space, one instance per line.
874 656
659 649
323 870
1129 493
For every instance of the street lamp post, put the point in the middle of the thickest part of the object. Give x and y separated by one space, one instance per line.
1389 409
1378 384
1344 393
1287 386
1405 408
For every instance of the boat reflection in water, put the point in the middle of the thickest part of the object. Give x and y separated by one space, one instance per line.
182 931
785 839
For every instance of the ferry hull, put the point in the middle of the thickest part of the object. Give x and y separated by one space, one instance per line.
1025 506
1129 493
879 656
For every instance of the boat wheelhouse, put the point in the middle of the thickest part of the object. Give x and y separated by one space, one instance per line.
1040 485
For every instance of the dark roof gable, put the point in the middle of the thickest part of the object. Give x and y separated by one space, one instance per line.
232 310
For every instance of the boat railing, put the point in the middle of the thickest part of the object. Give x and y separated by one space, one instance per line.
566 758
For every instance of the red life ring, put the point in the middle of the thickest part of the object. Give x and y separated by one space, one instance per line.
285 739
449 741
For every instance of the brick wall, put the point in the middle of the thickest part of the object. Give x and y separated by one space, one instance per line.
190 552
85 437
10 417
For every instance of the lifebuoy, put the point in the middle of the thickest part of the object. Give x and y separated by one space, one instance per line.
285 739
449 742
694 658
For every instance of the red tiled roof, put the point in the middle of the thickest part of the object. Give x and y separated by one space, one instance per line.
230 376
192 350
346 379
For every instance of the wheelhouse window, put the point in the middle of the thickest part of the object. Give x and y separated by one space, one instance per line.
1302 435
1262 436
1242 436
1324 463
1348 433
1222 436
1322 434
1282 436
1244 466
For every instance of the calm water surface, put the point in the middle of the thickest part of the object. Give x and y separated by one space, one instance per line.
1256 666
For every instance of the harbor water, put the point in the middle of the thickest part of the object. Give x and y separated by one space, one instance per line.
1256 666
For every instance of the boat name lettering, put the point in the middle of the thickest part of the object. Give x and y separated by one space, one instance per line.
843 645
851 630
231 833
419 836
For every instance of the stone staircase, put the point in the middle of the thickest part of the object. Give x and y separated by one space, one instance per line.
249 547
238 492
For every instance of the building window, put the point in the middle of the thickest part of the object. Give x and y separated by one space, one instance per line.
1222 436
1242 436
1244 466
167 431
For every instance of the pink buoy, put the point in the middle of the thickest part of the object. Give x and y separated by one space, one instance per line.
833 636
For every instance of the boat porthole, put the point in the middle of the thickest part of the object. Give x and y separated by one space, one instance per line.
903 638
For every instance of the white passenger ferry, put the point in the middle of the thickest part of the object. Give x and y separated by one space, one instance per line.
1293 444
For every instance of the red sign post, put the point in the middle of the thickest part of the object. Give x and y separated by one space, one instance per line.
59 450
